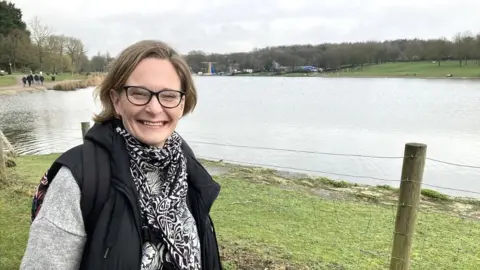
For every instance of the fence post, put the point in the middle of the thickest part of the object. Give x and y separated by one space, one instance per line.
3 170
408 200
85 128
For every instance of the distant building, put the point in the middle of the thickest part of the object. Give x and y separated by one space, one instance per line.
275 65
309 69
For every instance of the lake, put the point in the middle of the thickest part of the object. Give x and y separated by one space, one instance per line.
330 115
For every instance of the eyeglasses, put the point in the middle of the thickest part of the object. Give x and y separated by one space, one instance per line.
140 96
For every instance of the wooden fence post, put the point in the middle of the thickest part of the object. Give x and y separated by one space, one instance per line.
408 201
85 128
3 169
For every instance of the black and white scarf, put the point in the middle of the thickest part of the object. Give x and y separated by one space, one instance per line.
160 176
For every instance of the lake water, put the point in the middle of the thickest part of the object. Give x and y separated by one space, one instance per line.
337 115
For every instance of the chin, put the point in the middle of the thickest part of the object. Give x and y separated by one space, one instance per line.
154 136
153 139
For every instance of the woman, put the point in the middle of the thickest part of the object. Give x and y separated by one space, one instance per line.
154 195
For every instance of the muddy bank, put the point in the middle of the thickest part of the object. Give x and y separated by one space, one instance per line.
431 200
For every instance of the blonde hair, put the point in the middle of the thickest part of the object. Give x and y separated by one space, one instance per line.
122 67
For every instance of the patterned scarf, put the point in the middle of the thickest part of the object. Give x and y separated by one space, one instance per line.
160 176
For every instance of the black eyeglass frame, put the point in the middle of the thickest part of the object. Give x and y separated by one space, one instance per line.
153 93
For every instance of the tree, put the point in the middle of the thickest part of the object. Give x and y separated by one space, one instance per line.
100 62
10 18
39 35
76 50
15 47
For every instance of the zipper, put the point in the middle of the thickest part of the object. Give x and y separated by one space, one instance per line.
135 209
121 187
114 223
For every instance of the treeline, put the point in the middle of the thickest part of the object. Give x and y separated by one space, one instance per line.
462 47
33 46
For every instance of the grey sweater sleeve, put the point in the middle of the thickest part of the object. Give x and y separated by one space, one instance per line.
57 235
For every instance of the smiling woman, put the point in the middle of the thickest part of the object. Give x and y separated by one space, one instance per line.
150 122
122 199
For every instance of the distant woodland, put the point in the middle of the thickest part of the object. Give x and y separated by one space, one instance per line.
34 46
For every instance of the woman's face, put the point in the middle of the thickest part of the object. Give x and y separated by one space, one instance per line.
149 121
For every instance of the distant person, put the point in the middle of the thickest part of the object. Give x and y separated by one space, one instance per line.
30 79
133 195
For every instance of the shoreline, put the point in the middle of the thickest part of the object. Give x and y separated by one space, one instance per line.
340 189
336 189
306 75
12 90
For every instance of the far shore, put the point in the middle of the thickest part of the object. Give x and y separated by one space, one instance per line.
349 75
12 90
399 70
65 84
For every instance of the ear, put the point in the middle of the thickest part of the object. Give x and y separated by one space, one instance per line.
115 97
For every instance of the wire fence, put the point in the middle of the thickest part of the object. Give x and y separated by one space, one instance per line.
305 219
445 235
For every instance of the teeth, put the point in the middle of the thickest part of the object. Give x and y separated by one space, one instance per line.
153 123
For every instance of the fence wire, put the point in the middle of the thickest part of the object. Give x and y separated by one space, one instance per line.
324 224
358 234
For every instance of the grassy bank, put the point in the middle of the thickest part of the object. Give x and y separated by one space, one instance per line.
11 85
399 70
67 77
419 69
7 80
269 220
88 81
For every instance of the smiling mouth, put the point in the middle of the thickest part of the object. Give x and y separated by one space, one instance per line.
153 124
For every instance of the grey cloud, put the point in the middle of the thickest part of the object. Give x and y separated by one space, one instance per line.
223 26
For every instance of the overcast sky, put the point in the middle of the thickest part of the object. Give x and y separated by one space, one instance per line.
241 25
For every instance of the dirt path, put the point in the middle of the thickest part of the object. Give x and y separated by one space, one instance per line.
13 89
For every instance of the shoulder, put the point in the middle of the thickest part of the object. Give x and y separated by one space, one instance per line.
72 160
71 154
186 149
64 183
61 205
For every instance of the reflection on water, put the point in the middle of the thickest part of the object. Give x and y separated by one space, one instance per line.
45 122
359 116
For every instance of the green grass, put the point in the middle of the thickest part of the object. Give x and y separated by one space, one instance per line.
420 69
7 80
66 77
266 220
403 69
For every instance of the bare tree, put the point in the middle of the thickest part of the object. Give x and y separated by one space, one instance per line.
39 35
57 46
75 49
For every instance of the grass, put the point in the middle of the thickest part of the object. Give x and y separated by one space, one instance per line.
401 69
418 69
70 85
267 220
7 80
67 77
